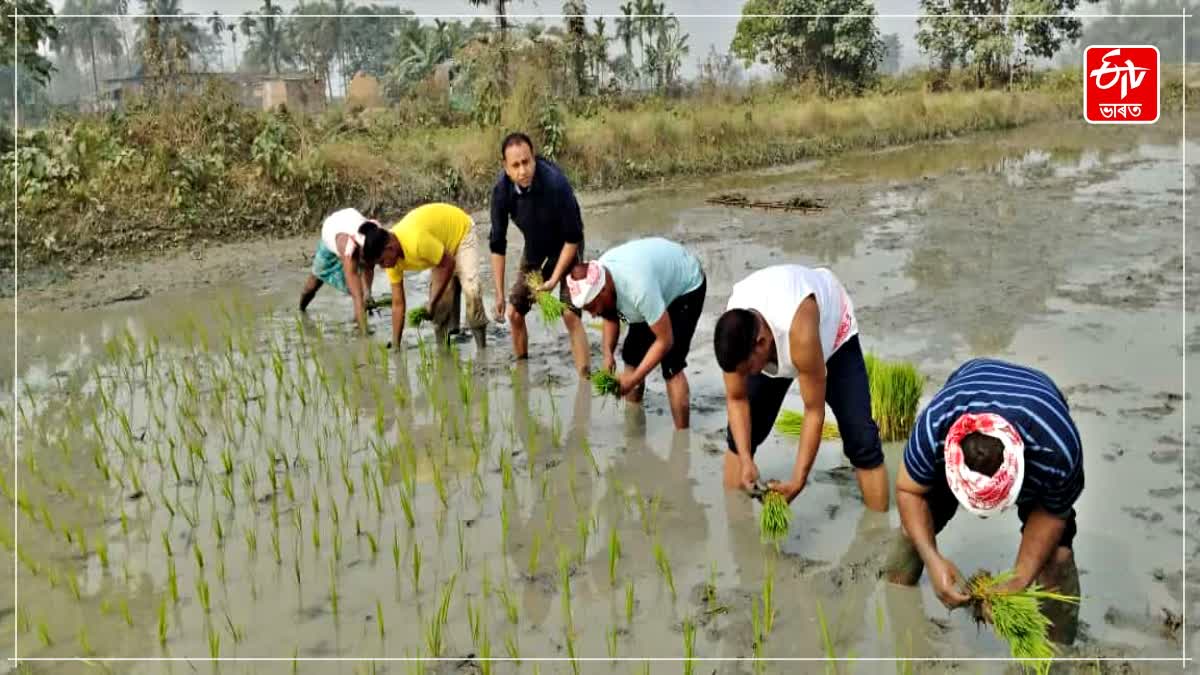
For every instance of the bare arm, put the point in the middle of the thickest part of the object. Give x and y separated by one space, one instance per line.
1043 531
915 517
398 308
608 342
441 279
498 277
663 339
565 258
737 406
804 341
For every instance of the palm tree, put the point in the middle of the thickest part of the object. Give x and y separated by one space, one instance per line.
83 36
501 8
340 7
167 41
217 25
599 49
313 39
578 41
269 43
233 32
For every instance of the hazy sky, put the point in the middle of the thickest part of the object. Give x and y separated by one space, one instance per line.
704 31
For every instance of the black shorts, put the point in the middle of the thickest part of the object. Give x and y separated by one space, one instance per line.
848 393
943 505
685 315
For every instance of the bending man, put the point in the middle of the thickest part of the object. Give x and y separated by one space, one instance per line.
337 261
657 287
786 323
440 237
997 434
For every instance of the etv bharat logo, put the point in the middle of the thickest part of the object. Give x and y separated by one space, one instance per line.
1121 84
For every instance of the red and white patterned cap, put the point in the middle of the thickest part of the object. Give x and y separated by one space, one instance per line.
985 495
586 289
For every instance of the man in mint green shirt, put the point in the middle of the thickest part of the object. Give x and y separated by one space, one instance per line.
657 287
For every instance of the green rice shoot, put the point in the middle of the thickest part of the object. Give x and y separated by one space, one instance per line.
791 423
550 305
418 316
775 518
604 383
895 390
1016 617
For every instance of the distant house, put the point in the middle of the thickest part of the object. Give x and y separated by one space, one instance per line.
298 91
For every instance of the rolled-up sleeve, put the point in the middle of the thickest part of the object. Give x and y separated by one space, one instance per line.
498 238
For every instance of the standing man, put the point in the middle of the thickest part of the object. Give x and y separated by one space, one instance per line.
440 237
535 194
786 323
657 287
997 434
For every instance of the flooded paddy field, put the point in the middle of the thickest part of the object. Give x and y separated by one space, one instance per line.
203 472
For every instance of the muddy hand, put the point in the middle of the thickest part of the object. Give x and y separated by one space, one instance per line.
947 581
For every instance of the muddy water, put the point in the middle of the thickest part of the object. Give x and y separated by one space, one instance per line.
1059 247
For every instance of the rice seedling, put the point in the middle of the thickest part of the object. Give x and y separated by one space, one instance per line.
162 622
434 632
198 555
534 549
395 550
418 316
473 621
564 576
372 544
416 567
44 634
234 632
768 605
406 506
485 654
73 585
791 423
172 581
102 552
689 646
337 545
895 390
605 383
583 531
775 518
275 545
125 613
614 554
629 604
203 594
664 567
830 652
1015 617
512 647
611 639
333 586
550 306
511 609
214 643
379 618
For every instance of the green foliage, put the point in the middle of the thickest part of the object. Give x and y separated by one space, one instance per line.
31 32
835 51
775 518
993 46
1016 617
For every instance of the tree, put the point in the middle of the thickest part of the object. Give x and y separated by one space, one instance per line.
368 41
890 60
833 50
599 49
269 46
626 28
501 9
1163 33
82 36
577 42
719 71
217 25
313 39
665 54
167 41
991 46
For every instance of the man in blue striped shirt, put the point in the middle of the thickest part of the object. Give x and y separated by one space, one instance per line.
997 434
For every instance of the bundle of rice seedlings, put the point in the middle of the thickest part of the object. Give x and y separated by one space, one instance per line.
418 316
791 423
550 305
1015 617
895 390
775 518
605 383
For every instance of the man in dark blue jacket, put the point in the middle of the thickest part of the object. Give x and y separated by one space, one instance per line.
536 195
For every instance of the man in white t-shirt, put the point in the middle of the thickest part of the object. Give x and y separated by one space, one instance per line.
790 322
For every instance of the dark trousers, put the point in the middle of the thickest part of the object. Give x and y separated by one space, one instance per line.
848 393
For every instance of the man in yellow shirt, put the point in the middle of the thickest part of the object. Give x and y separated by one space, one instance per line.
440 237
